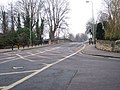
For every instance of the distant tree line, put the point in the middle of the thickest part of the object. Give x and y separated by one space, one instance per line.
24 22
80 37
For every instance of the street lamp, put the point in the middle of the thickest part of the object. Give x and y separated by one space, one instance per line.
30 33
30 25
93 21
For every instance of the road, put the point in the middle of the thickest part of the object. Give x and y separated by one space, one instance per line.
58 67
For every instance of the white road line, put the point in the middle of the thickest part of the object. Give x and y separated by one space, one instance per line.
27 56
17 67
2 87
24 58
49 50
7 54
30 53
7 58
43 57
10 73
20 56
40 70
53 54
114 59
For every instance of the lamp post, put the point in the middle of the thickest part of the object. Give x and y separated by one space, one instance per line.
93 21
30 25
30 34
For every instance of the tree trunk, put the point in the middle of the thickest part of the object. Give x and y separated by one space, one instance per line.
52 36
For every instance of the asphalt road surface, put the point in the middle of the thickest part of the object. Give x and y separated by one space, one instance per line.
58 67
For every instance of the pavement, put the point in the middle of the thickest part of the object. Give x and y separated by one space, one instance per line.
21 48
92 50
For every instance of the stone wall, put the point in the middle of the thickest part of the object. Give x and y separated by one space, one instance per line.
108 45
117 46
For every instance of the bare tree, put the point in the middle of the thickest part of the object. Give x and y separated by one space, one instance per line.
4 20
12 17
103 16
30 11
113 10
81 37
18 22
56 15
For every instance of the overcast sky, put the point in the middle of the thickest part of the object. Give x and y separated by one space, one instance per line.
80 13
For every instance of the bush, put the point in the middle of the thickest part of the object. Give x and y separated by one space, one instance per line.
100 33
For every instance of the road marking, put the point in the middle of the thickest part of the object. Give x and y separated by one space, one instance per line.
17 68
40 70
28 55
1 87
49 50
43 57
7 58
114 59
55 54
24 58
10 73
7 54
